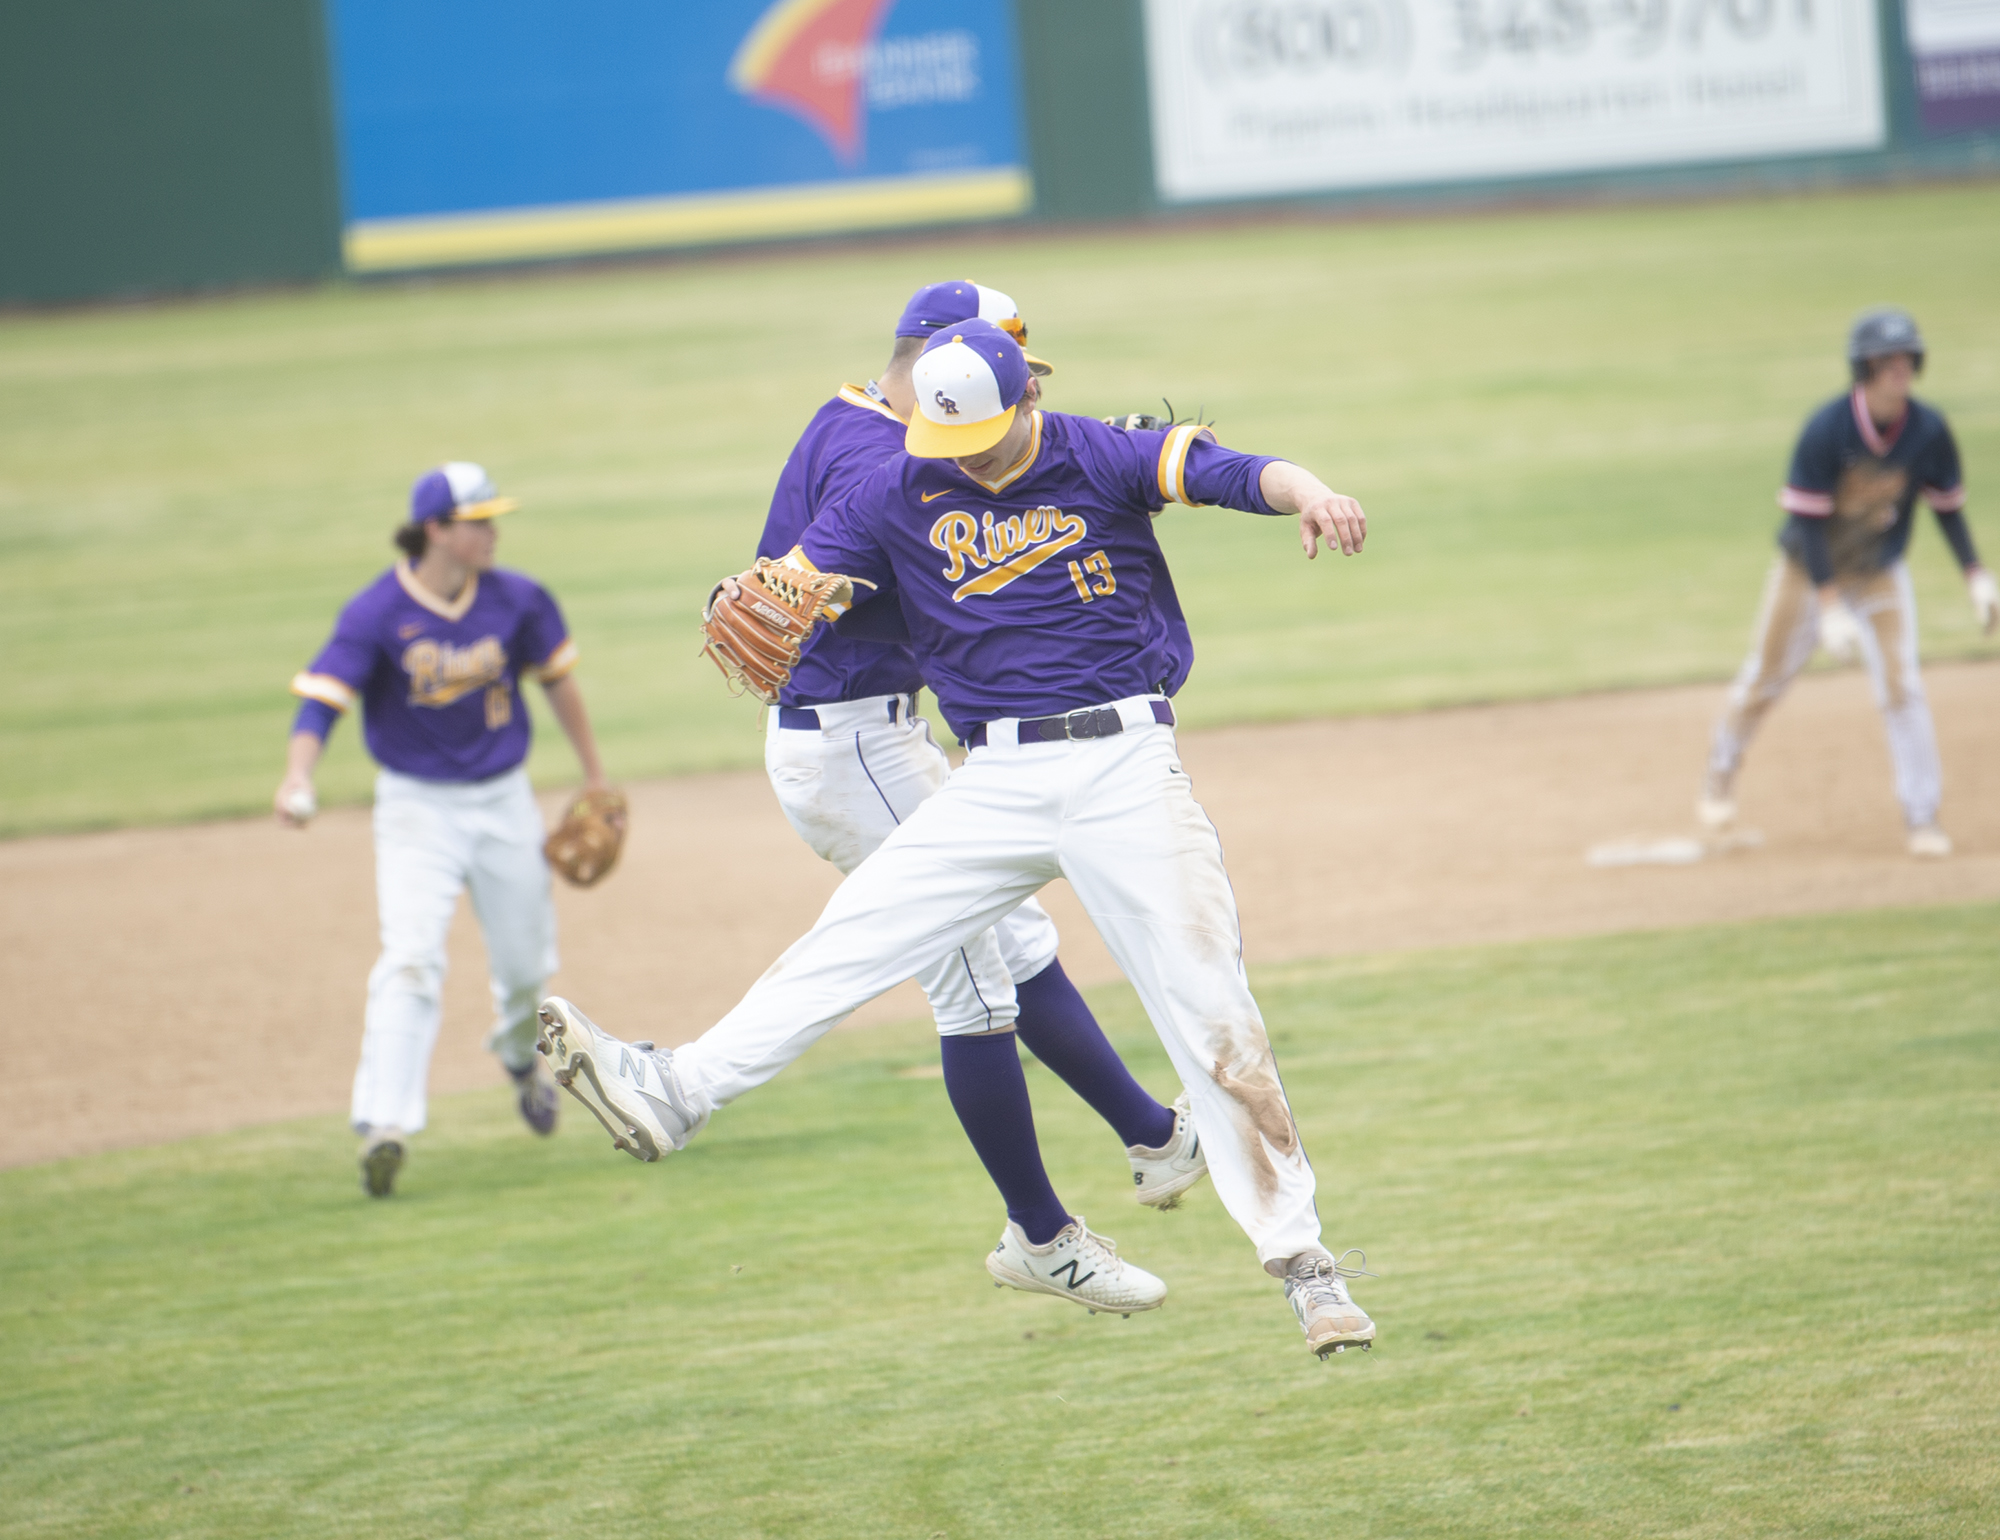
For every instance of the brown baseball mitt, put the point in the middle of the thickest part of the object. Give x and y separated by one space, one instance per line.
585 845
755 635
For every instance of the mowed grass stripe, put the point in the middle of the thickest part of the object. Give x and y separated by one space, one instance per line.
1688 1234
1568 429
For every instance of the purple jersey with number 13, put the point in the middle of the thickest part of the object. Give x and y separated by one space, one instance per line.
1046 591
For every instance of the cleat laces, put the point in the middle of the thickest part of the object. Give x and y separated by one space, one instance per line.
1325 1282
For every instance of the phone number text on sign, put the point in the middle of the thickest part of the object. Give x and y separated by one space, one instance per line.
1304 95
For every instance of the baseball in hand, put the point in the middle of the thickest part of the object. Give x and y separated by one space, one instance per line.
1840 633
1985 597
301 804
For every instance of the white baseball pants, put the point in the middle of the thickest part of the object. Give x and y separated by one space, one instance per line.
1117 818
1786 636
433 840
846 787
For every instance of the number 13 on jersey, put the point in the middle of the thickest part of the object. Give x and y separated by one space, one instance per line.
1093 576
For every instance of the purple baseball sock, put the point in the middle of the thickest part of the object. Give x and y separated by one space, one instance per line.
1060 1031
982 1076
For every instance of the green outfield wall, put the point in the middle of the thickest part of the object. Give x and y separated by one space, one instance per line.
160 145
151 146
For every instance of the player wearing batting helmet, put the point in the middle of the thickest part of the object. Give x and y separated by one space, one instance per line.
1021 545
1840 581
435 650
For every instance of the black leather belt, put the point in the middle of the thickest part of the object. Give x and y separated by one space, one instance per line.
805 719
1092 722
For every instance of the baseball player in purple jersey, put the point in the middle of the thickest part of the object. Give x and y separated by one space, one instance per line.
1022 546
1840 581
435 650
850 758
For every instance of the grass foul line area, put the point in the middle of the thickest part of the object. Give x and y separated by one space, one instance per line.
1686 1234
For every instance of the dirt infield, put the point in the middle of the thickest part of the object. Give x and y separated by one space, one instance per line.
211 976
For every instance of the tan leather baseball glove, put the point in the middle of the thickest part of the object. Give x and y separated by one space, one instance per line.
585 845
754 635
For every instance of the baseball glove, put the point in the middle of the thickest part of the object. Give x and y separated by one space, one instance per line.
585 845
754 635
1141 422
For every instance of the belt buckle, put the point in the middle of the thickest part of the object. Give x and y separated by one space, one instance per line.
1087 723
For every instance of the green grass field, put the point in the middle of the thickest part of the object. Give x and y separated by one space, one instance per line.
1680 1235
1567 427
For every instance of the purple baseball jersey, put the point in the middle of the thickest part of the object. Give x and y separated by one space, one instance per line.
439 683
848 437
1045 591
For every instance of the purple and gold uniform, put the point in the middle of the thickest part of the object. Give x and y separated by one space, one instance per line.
439 683
1040 615
1045 591
847 438
847 752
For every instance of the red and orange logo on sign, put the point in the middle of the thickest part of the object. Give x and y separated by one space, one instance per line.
810 57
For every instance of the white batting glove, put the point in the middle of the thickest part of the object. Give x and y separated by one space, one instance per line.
1985 598
1839 633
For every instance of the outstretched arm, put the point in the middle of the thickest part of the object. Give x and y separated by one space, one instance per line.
1323 513
566 701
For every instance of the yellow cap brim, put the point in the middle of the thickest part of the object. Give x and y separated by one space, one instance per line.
1041 368
929 440
492 508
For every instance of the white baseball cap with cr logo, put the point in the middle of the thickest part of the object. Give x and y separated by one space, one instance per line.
969 382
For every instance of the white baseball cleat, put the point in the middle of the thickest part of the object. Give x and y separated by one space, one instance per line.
1930 843
630 1088
1715 814
1160 1175
1076 1265
1316 1289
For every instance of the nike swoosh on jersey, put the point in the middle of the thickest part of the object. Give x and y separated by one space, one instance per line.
931 496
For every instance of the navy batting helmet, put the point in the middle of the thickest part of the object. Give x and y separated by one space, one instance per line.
1880 332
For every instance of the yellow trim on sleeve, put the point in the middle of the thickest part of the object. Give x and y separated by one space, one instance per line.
324 688
1172 474
559 662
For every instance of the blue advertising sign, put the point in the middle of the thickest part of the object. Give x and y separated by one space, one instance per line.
491 130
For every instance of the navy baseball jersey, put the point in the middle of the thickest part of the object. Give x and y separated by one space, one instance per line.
1853 488
848 437
1045 591
439 683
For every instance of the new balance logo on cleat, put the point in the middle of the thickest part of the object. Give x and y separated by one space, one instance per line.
1076 1265
640 1123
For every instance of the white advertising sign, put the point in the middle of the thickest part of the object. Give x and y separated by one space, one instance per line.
1955 45
1290 96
